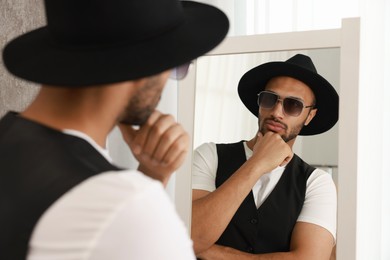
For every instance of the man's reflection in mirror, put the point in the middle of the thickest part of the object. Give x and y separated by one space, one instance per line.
256 199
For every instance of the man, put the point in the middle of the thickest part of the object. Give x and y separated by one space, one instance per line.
255 199
101 64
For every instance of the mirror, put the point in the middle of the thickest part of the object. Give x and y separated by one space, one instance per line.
343 43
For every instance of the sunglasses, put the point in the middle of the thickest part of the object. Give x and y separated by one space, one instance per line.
291 106
180 72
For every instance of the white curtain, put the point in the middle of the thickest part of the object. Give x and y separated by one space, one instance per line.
385 238
271 16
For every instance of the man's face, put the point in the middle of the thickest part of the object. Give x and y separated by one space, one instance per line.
276 119
144 101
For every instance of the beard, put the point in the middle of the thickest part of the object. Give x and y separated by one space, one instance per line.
142 103
291 133
135 114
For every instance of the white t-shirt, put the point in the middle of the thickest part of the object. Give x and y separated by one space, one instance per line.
113 215
320 205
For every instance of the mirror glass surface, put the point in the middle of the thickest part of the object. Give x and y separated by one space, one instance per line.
221 117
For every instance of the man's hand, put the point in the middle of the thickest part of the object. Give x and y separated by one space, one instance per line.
160 145
271 150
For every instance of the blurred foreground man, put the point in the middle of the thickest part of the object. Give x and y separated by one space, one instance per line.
101 64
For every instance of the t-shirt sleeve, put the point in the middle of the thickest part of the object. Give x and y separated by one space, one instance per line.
204 167
320 206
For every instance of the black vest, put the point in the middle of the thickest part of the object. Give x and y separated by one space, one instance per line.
267 229
37 166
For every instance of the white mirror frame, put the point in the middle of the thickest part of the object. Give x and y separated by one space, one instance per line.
347 38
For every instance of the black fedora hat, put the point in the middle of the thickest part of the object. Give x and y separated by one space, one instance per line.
106 41
301 68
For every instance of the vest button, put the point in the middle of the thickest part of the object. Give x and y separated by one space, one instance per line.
253 221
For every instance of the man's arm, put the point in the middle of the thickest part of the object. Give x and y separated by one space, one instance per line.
212 212
308 241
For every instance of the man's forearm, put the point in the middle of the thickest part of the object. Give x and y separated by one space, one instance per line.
212 213
308 242
217 252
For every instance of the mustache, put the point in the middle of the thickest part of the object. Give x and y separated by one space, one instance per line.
273 119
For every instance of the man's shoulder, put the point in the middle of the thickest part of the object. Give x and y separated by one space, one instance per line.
101 196
119 184
114 205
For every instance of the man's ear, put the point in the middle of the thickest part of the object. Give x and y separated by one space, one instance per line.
310 116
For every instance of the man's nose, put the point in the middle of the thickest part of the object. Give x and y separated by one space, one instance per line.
277 110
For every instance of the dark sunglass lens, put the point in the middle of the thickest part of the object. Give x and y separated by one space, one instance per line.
292 106
267 100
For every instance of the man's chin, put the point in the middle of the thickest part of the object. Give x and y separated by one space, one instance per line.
284 137
264 131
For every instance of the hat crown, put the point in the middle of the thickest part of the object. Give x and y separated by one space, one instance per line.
85 22
96 42
302 61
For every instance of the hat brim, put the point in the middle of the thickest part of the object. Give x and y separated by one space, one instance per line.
34 56
327 100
